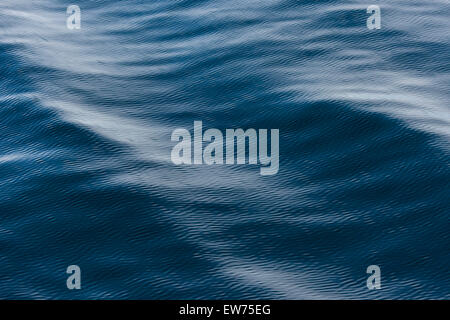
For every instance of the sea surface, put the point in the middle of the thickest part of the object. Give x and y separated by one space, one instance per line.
86 118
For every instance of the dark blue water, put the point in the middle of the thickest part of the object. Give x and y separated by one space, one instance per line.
86 176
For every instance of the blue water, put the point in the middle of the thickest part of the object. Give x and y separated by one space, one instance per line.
86 176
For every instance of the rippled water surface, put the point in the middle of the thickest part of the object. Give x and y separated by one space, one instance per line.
86 176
